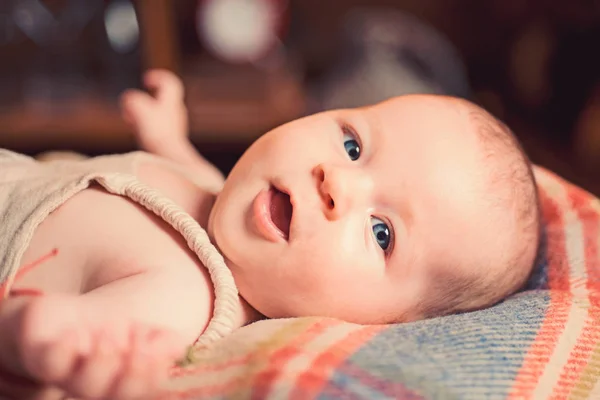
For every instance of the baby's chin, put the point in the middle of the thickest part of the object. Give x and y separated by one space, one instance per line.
217 220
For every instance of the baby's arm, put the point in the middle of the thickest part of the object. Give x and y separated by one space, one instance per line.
145 299
160 122
87 346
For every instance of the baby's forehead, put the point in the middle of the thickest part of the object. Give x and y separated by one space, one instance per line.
425 102
433 115
393 112
423 123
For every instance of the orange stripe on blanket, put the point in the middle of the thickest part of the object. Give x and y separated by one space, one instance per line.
282 335
243 379
264 380
586 342
544 344
311 382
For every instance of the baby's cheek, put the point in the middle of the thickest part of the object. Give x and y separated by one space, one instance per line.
317 269
308 271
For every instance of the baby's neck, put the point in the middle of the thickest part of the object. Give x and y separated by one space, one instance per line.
249 314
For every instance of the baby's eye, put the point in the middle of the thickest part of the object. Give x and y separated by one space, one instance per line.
382 233
351 145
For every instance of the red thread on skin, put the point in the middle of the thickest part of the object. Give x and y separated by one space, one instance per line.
24 270
25 292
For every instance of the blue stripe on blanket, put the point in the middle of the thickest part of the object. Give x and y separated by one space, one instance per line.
474 355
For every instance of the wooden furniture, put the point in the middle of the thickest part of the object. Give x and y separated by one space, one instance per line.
228 104
527 60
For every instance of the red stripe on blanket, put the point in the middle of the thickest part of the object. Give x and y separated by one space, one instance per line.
311 382
553 325
263 383
590 219
558 262
238 383
585 345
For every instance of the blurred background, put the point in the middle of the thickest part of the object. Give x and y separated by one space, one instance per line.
250 65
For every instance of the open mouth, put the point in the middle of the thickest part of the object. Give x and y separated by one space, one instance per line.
273 214
281 211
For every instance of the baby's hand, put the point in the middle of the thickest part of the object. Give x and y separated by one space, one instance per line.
161 118
93 356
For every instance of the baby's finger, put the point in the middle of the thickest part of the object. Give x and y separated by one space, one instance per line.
167 85
139 376
168 344
95 375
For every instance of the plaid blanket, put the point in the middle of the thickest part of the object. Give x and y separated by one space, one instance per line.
539 344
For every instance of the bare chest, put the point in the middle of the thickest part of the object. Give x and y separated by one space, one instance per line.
101 237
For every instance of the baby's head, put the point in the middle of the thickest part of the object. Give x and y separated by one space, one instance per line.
415 207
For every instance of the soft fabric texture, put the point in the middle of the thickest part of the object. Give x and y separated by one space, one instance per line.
31 190
539 344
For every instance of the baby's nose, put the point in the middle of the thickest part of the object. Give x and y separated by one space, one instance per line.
341 189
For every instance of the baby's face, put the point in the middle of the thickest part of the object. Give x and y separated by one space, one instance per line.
353 213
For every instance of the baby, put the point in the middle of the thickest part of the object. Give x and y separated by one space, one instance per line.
417 207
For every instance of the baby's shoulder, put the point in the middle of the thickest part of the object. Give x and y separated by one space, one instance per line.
176 183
